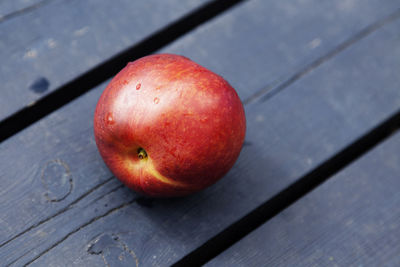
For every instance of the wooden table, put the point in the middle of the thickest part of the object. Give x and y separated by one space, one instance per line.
316 184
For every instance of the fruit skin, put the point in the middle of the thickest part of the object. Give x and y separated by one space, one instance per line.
166 126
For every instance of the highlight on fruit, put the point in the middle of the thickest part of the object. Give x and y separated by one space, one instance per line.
166 126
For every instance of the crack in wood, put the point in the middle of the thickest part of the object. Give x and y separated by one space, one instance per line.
280 84
274 88
71 205
263 95
23 11
283 199
106 194
86 81
78 229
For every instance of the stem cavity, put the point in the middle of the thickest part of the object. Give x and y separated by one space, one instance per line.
141 153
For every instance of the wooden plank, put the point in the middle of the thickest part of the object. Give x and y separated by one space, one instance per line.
54 136
66 136
83 43
67 38
332 97
269 42
301 125
12 8
222 65
353 219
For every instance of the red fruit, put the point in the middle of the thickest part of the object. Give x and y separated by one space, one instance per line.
166 126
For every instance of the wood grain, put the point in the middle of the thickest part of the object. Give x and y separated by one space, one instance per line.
10 9
67 38
298 140
290 134
353 219
293 32
266 43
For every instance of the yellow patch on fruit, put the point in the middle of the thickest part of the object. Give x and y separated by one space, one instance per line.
151 170
146 165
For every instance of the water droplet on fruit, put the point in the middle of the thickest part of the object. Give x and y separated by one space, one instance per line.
156 100
110 119
138 86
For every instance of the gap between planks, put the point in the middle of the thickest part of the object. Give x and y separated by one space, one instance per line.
291 194
260 215
87 81
300 188
311 180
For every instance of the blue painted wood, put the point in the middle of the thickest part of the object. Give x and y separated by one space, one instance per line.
353 219
222 65
309 126
269 42
10 9
73 211
101 29
67 38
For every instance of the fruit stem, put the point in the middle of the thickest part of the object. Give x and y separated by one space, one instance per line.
142 153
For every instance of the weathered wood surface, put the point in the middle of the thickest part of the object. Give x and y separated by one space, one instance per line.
265 44
351 220
66 38
13 8
349 107
45 47
70 209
